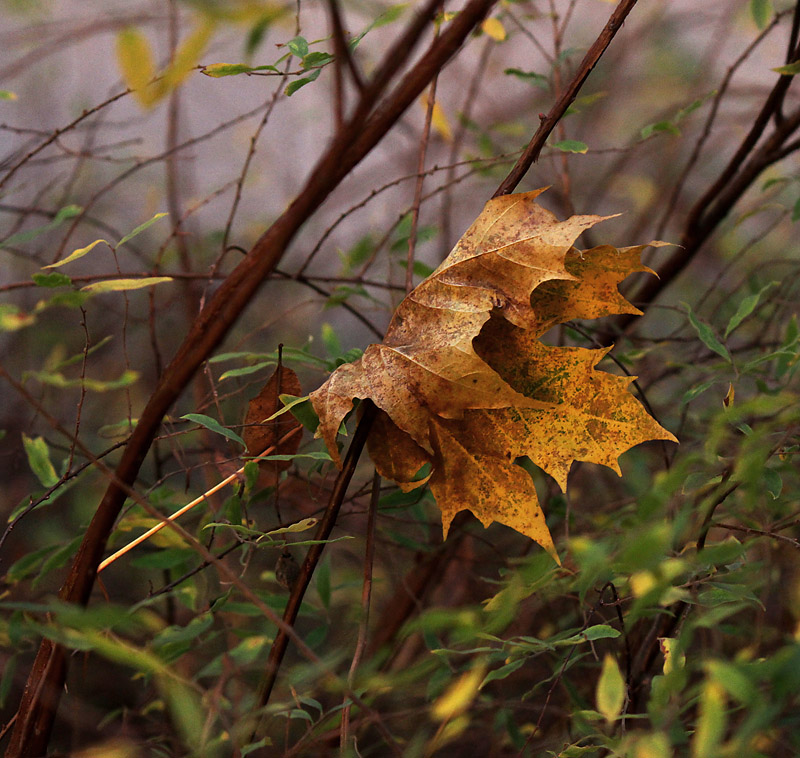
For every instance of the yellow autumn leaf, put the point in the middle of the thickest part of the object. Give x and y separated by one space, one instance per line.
458 697
463 382
136 63
494 28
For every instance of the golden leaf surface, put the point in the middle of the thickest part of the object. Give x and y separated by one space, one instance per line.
463 382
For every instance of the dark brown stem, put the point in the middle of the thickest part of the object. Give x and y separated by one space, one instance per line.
354 141
366 595
531 153
323 533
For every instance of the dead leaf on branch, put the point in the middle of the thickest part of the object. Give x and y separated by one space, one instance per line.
259 434
464 383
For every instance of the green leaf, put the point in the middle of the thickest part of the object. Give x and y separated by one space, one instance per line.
531 76
319 455
67 212
56 379
331 340
502 672
661 126
302 410
124 285
57 559
773 482
761 11
790 69
706 335
796 211
245 370
746 307
298 46
6 94
571 146
315 60
214 426
610 696
39 460
52 279
139 229
298 83
218 70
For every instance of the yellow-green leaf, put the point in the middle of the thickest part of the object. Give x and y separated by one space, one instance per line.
458 697
711 724
124 285
610 696
39 460
494 28
75 254
136 62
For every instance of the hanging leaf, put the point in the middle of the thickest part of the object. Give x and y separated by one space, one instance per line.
39 460
135 60
260 434
75 254
124 285
213 425
464 384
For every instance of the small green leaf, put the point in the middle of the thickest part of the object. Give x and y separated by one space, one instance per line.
139 229
531 76
298 83
331 340
796 211
706 335
124 285
6 94
75 254
761 11
67 212
214 426
746 307
790 69
315 60
298 46
660 126
218 70
52 279
39 460
245 370
571 146
774 483
610 696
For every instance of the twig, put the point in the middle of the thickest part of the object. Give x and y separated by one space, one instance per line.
323 532
531 153
423 150
366 592
186 508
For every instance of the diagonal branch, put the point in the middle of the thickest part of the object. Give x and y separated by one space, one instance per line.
531 153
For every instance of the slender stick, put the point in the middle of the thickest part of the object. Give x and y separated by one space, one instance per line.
366 594
186 508
531 153
324 530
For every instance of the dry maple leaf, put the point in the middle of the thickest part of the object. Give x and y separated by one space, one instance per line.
463 382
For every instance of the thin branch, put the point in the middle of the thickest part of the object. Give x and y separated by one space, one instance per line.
595 52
